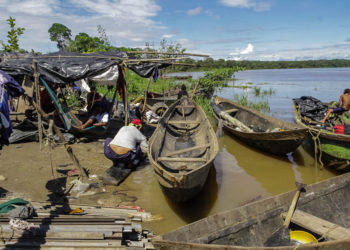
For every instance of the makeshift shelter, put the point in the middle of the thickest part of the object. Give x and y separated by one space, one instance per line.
62 68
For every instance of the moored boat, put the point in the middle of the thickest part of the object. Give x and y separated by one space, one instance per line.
321 211
333 150
257 129
182 150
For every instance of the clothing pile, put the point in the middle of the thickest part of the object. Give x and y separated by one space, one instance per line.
9 88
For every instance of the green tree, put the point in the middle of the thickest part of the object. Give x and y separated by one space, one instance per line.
60 34
12 36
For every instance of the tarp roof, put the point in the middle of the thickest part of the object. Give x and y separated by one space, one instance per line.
66 67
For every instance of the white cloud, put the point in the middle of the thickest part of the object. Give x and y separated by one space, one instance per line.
328 52
248 50
127 22
255 4
195 11
167 36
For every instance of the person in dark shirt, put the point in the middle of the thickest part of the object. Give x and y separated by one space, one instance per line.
182 92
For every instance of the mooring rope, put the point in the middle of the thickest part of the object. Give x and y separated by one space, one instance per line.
317 146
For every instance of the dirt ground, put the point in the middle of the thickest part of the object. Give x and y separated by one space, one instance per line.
29 173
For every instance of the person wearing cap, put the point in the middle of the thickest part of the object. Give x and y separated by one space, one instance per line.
98 119
128 146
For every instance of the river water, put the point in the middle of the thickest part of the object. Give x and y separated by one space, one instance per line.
242 174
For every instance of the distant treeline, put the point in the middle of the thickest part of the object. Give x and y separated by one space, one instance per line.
210 64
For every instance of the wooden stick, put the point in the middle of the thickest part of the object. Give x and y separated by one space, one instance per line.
183 122
179 159
195 88
145 100
186 150
166 53
37 98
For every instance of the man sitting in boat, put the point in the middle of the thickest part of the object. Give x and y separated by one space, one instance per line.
182 92
127 148
342 105
98 119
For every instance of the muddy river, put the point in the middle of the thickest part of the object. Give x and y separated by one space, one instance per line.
242 174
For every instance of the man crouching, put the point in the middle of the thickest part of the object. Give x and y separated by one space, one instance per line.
128 146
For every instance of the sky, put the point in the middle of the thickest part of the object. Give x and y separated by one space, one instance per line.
222 29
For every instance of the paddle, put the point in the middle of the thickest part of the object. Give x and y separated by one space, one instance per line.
281 237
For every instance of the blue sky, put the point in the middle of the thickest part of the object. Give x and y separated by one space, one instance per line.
228 29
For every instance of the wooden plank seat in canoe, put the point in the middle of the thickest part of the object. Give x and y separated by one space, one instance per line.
327 229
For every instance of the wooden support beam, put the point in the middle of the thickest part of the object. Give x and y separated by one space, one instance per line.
180 159
185 106
183 122
329 230
186 150
37 98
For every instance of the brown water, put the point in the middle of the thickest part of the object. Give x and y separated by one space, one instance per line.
240 175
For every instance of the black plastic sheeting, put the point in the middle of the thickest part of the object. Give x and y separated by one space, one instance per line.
66 67
311 107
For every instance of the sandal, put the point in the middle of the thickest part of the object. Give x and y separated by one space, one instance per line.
74 172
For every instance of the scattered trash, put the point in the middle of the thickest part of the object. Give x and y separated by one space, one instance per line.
76 211
2 178
74 172
79 187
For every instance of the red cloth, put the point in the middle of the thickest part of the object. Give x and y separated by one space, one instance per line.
136 121
339 129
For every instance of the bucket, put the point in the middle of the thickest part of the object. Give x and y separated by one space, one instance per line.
302 237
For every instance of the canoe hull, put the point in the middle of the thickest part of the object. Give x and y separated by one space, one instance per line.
188 189
332 149
249 226
183 175
279 142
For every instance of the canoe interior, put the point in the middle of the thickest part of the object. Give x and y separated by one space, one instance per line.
178 136
253 119
252 224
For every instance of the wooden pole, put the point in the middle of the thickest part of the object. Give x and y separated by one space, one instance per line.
166 53
195 88
60 135
37 99
145 99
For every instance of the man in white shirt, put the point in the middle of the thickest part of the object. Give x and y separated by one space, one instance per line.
98 120
128 146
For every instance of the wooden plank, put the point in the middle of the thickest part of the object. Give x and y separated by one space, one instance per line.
56 235
230 110
179 159
185 106
186 150
319 226
183 122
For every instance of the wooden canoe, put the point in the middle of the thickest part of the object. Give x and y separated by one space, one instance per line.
322 210
182 150
333 149
257 129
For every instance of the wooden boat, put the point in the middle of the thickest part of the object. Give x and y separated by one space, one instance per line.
182 150
333 149
256 129
322 210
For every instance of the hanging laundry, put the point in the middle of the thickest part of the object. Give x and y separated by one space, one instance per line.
8 88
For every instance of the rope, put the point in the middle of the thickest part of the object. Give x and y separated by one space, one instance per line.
323 236
317 146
